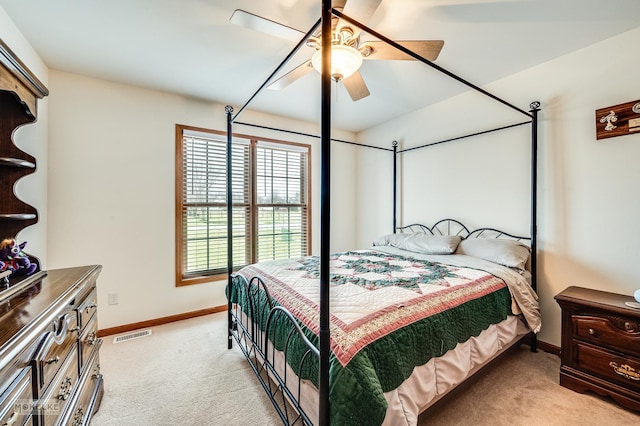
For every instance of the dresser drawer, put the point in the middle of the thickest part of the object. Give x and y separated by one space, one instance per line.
55 346
87 309
615 333
624 370
88 341
16 403
89 387
55 400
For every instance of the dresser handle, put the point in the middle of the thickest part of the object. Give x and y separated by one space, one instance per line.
65 389
52 360
592 332
92 338
625 371
628 326
77 418
96 371
12 419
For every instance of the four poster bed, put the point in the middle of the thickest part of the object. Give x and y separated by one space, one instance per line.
410 318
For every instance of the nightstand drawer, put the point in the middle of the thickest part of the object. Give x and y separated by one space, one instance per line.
624 370
615 333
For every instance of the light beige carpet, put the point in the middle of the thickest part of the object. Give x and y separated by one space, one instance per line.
184 375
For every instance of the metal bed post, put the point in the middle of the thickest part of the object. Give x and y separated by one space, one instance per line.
325 210
395 185
535 108
229 111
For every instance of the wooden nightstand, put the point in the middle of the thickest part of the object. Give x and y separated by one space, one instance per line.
600 345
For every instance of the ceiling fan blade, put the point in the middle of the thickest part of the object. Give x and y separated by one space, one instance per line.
355 86
428 49
249 20
361 11
296 73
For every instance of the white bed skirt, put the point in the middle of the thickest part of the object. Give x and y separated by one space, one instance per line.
428 383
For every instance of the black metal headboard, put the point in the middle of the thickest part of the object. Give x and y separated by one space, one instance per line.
455 227
442 227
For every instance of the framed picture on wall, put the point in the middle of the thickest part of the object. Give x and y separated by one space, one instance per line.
618 120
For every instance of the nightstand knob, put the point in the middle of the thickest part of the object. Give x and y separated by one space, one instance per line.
592 332
628 326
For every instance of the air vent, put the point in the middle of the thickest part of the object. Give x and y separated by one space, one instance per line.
131 336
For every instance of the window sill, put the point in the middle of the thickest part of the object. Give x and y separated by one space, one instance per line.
183 282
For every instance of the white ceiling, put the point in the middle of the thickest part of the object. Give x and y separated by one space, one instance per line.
189 47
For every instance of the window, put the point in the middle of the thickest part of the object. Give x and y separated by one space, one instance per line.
270 188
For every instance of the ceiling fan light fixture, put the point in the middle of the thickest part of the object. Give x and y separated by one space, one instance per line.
345 60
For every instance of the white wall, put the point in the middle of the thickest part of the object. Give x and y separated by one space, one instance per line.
588 190
31 138
111 190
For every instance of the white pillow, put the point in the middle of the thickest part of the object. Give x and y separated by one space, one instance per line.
510 253
421 243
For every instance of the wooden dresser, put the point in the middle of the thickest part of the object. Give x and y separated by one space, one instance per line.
600 345
49 351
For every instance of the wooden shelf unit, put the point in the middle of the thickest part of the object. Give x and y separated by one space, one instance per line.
19 93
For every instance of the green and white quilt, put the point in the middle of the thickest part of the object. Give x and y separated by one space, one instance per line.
390 311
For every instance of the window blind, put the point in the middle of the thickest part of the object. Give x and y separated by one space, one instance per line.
270 186
281 200
204 212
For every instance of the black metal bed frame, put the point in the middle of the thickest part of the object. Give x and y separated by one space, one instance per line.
246 332
444 227
254 344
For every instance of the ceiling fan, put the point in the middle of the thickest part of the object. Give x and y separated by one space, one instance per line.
348 50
